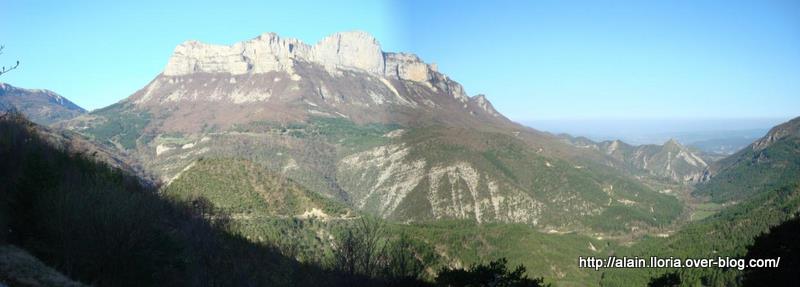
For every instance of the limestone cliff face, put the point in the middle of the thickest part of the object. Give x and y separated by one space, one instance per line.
357 50
271 53
407 67
262 54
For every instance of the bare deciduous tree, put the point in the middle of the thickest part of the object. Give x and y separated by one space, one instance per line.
360 249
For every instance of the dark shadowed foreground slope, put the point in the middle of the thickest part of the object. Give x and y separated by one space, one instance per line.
781 241
99 225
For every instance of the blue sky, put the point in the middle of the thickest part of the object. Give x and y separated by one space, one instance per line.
535 60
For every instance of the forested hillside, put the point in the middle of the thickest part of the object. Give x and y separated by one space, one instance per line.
728 233
771 162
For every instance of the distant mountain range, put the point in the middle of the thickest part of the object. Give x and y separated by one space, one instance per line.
671 160
713 137
41 106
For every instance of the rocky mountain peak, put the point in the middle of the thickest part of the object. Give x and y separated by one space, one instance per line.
784 130
483 103
673 144
271 78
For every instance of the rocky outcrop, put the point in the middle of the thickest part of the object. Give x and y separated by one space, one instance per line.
269 53
782 131
407 67
481 101
355 50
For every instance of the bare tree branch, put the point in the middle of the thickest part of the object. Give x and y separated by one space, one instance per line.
4 69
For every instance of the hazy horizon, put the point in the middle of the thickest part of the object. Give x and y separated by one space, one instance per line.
657 131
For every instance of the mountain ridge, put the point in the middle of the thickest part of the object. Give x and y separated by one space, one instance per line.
768 162
670 160
41 106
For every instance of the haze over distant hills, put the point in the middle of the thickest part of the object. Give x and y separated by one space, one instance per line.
714 136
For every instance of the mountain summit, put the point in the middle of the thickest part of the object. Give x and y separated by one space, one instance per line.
270 53
345 75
